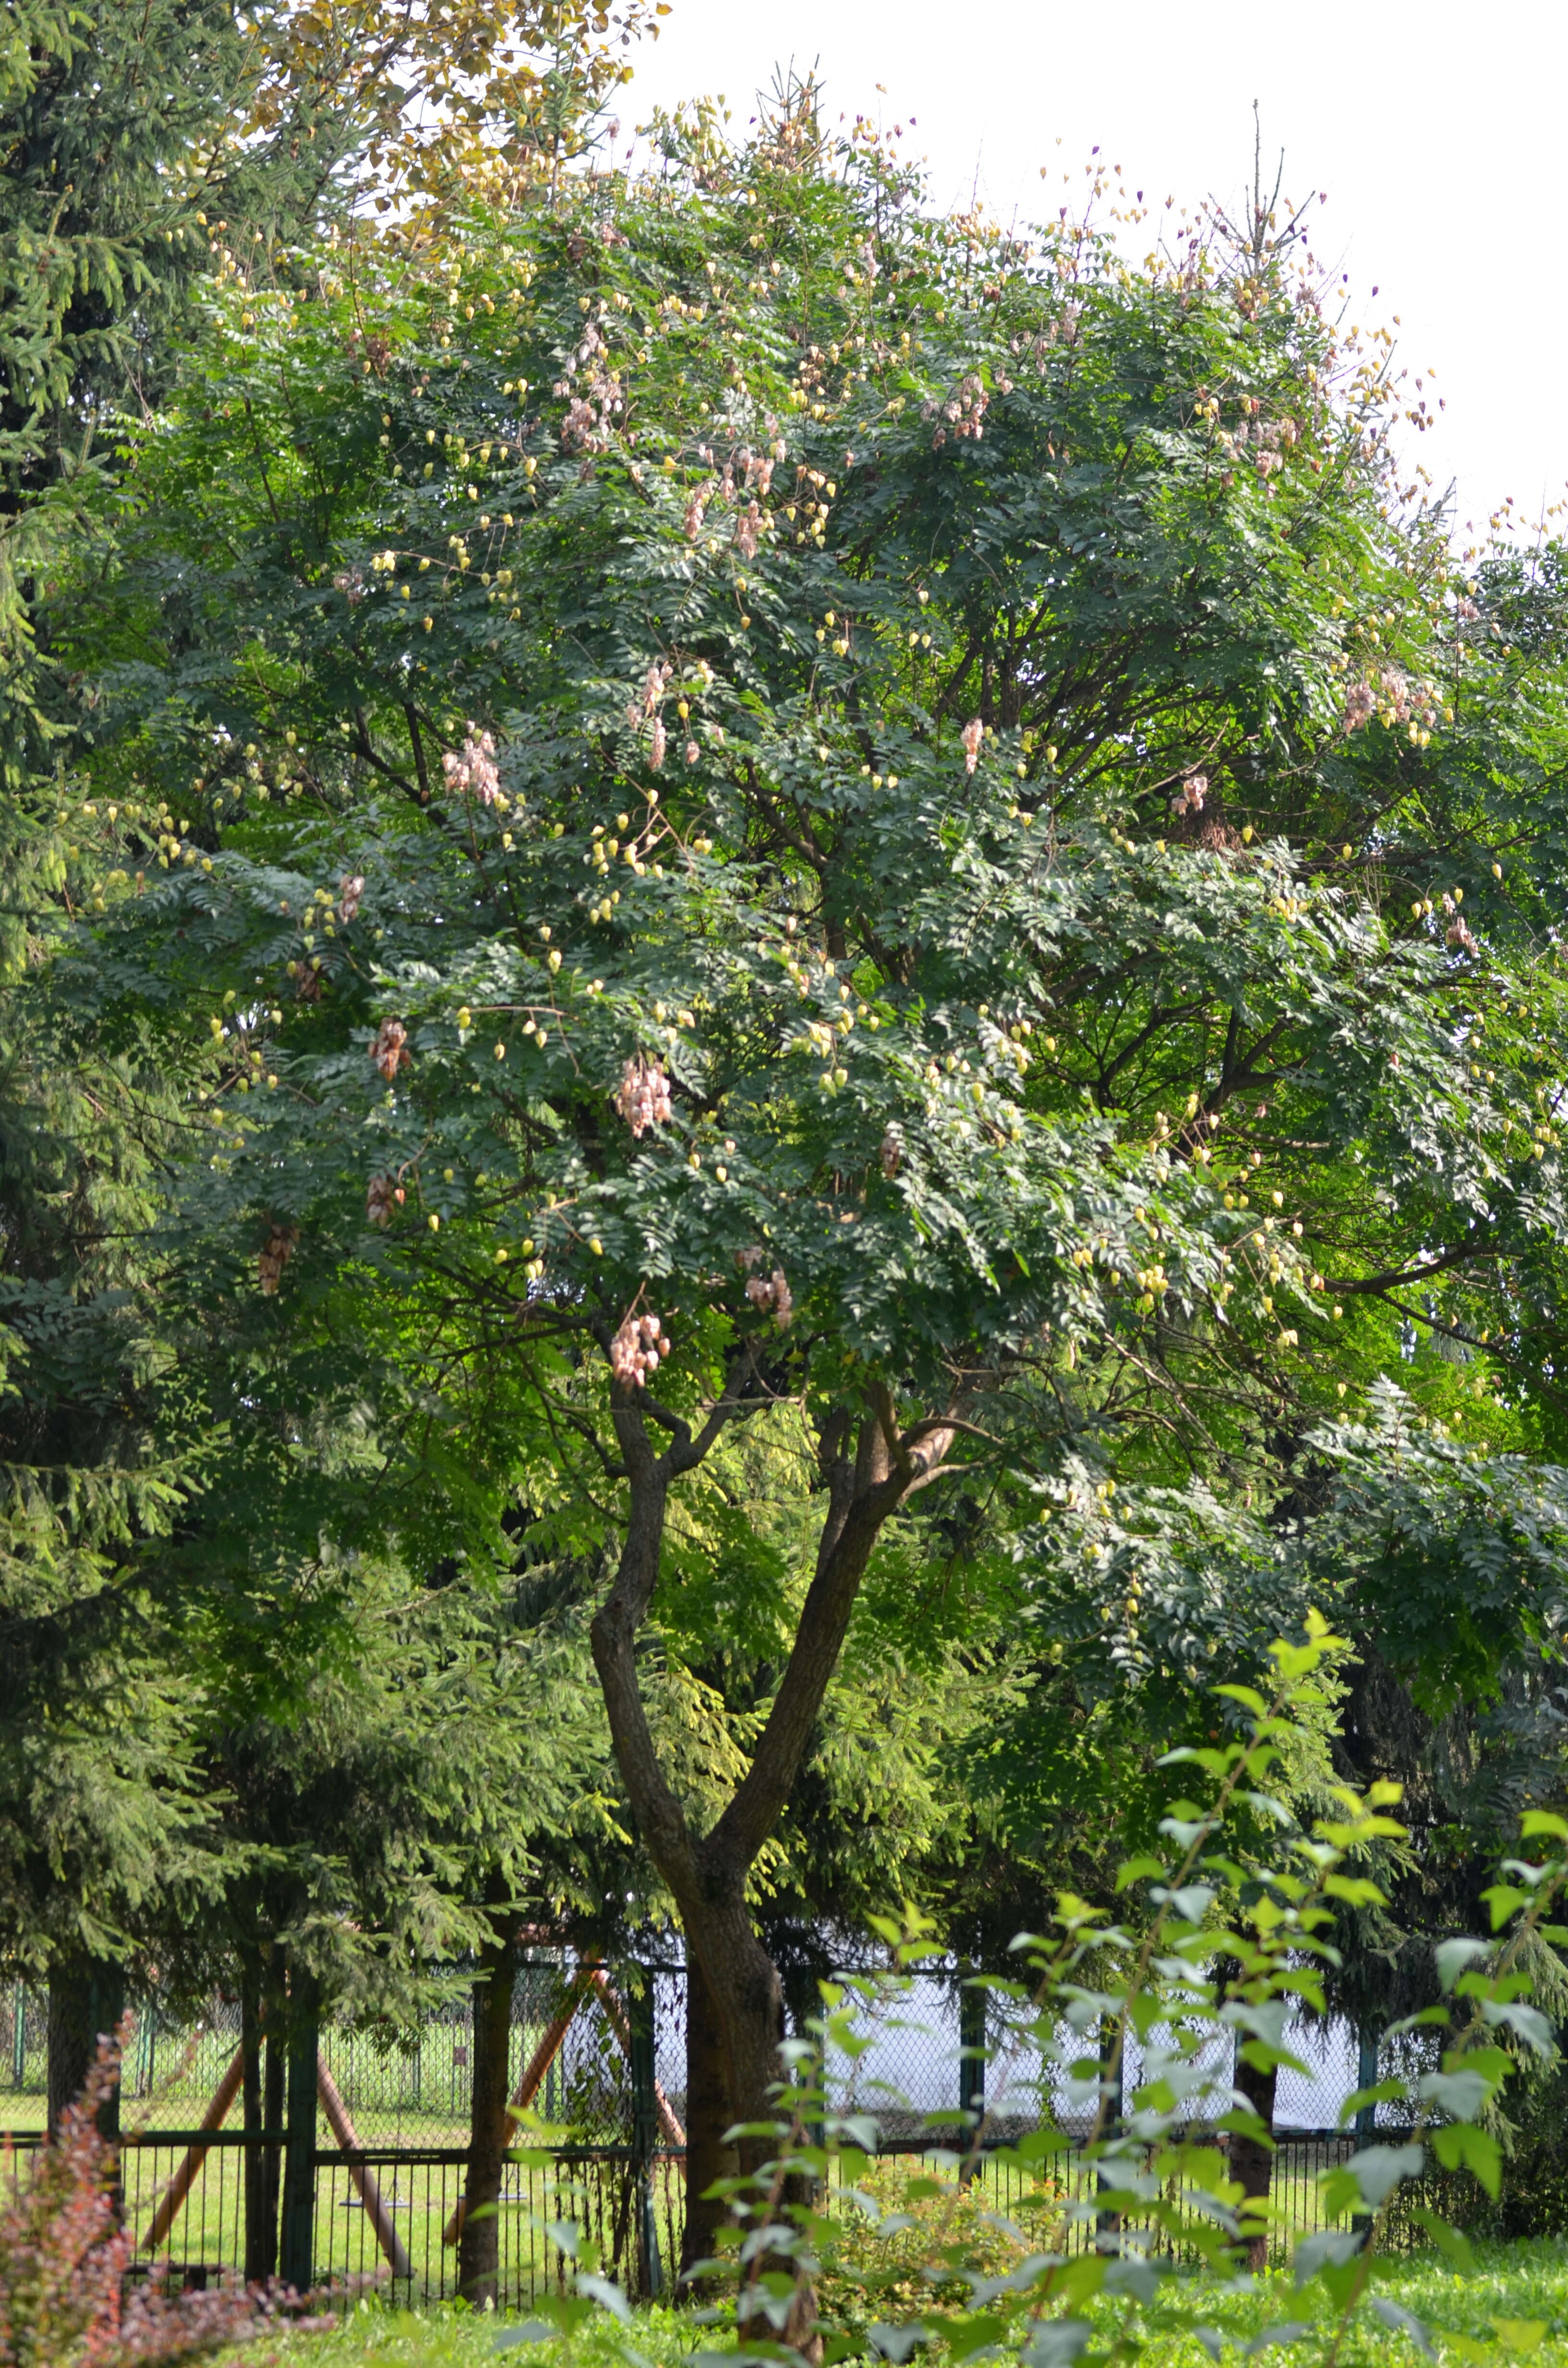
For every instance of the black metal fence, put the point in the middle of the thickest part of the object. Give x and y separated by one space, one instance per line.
601 2056
603 2192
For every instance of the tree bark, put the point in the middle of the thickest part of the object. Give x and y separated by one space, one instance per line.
272 2110
707 2158
1252 2162
250 2108
260 2021
301 2031
87 1998
479 2244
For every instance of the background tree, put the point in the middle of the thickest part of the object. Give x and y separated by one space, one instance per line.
143 149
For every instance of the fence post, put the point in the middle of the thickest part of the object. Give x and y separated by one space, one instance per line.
972 2002
1112 2041
296 2265
1367 2048
146 2049
644 2134
1367 2039
18 2036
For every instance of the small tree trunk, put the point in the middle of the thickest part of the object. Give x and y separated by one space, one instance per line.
298 2238
479 2246
262 2072
274 1995
87 1998
707 2116
1252 2162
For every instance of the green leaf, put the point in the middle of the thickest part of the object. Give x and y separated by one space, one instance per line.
1404 2322
1452 1957
1520 2336
1451 2242
1056 2342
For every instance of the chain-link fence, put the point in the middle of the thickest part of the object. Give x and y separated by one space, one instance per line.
599 2054
399 2090
24 2042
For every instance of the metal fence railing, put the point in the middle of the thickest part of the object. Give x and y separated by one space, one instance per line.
417 2190
605 2054
602 2191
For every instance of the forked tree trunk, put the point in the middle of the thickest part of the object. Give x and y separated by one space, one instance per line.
867 1470
479 2244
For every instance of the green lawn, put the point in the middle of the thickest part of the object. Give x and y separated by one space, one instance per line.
1526 2285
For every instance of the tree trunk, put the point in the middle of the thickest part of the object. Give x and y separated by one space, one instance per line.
87 1998
707 2116
1252 2162
272 2110
746 1997
479 2244
250 2109
301 2031
867 1470
261 2024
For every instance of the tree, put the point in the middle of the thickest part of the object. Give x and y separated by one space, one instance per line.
145 148
821 807
98 1754
142 149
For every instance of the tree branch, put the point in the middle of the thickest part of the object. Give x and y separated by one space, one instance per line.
1401 1278
861 1495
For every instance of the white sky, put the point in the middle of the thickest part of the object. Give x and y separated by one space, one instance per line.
1437 132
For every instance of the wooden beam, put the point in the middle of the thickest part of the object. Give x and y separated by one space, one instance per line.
620 2022
364 2178
184 2179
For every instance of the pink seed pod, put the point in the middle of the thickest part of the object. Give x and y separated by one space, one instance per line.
643 1099
632 1356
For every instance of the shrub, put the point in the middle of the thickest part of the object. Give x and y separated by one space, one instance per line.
1153 2233
65 2258
889 2240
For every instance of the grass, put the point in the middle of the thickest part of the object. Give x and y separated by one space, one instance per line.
1494 2314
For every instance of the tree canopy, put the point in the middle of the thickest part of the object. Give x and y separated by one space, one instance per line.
730 805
